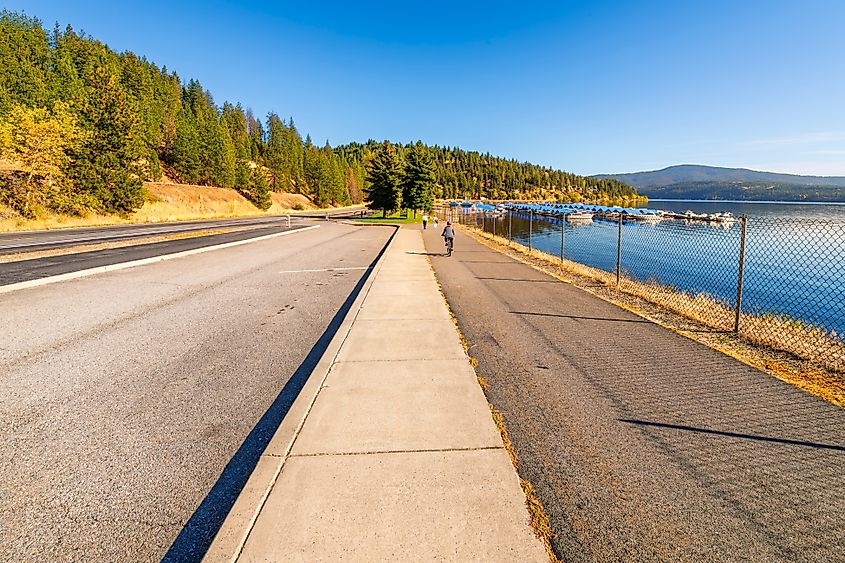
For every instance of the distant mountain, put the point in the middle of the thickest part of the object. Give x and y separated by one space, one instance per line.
691 181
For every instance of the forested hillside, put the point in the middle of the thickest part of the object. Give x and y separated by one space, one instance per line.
82 127
471 175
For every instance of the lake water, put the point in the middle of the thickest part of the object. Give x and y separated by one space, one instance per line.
794 261
799 211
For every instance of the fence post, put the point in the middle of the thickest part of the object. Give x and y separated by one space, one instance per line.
483 222
530 227
562 234
494 226
741 273
619 252
510 219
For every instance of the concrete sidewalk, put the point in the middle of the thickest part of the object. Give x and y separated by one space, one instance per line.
390 452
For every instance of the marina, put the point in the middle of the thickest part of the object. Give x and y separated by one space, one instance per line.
585 212
794 258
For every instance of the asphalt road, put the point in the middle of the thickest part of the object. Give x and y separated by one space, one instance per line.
25 270
22 241
133 402
641 444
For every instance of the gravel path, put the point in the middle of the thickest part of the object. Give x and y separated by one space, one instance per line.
641 444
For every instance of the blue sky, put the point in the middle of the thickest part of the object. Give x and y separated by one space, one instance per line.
589 87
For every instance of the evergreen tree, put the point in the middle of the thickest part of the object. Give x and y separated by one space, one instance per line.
284 155
104 165
243 175
419 179
24 62
384 176
259 190
313 172
257 144
185 155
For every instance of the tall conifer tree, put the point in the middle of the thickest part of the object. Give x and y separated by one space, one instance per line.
384 176
419 179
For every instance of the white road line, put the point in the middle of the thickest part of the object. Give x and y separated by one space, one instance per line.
323 270
134 233
133 263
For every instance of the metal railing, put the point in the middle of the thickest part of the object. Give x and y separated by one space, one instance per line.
777 282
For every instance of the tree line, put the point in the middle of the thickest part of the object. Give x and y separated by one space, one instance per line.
85 126
461 174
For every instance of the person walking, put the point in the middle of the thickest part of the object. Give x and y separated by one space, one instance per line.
425 220
434 219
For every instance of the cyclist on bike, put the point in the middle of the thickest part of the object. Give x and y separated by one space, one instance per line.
449 235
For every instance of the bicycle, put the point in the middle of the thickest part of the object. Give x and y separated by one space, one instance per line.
450 243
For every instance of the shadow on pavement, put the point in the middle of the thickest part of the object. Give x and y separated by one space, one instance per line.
487 262
735 435
516 279
643 321
196 536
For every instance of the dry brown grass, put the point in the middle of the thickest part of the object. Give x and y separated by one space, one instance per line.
176 202
539 520
167 202
800 354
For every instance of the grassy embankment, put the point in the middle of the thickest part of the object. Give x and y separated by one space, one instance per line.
800 354
167 202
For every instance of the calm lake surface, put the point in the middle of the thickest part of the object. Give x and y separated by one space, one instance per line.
798 211
794 255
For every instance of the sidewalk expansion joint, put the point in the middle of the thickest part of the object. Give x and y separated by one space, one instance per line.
379 452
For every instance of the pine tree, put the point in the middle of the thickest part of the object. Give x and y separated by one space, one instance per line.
419 179
259 190
185 155
24 62
242 175
257 143
103 165
284 155
384 176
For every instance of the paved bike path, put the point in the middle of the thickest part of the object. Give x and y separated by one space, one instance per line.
644 445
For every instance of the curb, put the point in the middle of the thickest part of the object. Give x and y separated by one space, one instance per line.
131 264
232 536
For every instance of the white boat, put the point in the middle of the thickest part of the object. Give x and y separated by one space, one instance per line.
721 218
579 216
648 217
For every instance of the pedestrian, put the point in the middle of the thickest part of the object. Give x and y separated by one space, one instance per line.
435 221
425 220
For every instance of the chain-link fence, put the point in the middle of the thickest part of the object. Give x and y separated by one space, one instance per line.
778 282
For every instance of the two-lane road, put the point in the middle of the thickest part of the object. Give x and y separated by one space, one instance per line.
199 234
27 241
123 396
